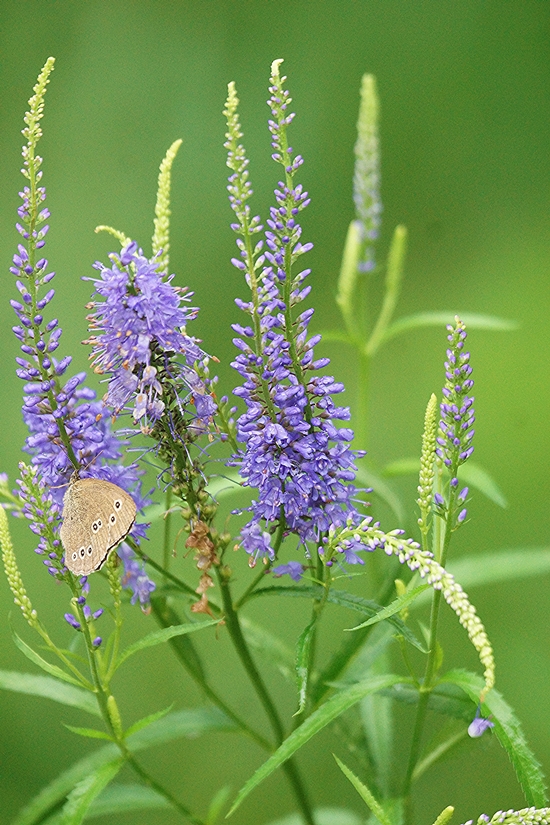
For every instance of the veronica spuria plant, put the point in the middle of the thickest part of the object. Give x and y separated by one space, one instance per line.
306 530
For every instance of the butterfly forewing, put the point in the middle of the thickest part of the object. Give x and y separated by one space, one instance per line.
97 515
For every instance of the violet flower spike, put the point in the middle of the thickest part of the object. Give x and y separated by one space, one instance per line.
294 455
140 343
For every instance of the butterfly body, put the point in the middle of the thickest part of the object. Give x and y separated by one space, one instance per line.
97 515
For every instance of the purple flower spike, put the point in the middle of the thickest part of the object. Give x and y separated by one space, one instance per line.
294 455
140 342
457 411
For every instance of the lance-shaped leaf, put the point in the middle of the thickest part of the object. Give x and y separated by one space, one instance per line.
164 635
340 597
510 735
318 720
365 793
303 648
49 688
33 656
191 723
395 607
84 793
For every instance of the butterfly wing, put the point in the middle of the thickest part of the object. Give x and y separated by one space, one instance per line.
97 515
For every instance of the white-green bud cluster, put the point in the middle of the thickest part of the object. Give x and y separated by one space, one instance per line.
427 460
410 553
525 816
12 572
161 236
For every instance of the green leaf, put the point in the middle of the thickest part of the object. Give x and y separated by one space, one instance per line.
368 478
472 320
446 699
343 599
190 722
91 733
218 803
318 720
84 793
493 568
53 670
510 735
366 795
265 643
470 473
34 685
147 720
323 816
184 723
476 476
164 635
302 663
395 607
117 799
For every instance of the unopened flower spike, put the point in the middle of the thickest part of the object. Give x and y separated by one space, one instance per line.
366 177
368 534
427 466
161 236
12 572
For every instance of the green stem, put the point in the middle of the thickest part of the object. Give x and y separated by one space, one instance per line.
188 657
428 681
241 647
101 689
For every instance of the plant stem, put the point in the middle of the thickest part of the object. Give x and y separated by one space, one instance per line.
241 647
187 655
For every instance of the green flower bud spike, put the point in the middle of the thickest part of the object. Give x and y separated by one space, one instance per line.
12 572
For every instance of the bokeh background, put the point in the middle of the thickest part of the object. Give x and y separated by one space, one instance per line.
465 98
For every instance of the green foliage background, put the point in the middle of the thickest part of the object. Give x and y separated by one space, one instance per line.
466 167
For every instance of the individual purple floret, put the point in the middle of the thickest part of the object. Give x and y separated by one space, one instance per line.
140 342
479 725
293 568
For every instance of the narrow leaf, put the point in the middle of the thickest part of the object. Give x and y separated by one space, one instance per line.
318 720
505 565
439 319
470 473
218 803
53 670
366 795
302 663
49 688
147 720
395 607
493 568
510 735
323 816
117 799
82 796
340 597
160 636
91 733
184 723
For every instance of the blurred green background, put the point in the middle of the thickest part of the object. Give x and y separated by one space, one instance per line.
465 100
